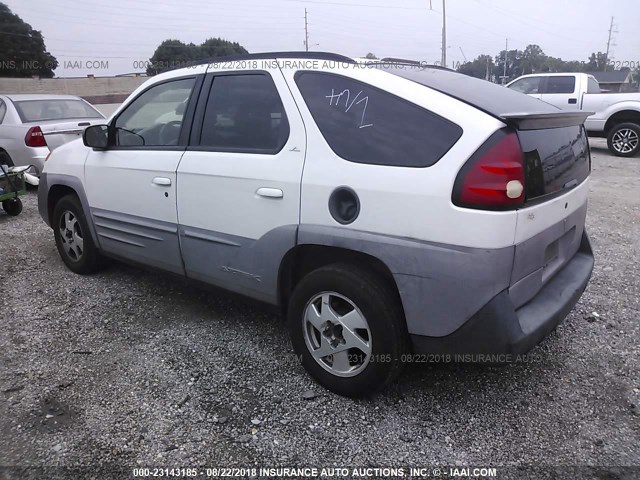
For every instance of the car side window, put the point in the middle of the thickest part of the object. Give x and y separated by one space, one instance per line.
566 84
244 113
593 86
155 117
3 111
364 124
529 85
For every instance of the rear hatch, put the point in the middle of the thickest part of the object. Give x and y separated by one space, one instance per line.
557 163
550 226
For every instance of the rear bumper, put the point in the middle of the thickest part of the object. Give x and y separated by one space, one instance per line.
34 156
499 328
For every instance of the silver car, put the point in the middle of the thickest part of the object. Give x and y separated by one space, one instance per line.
32 125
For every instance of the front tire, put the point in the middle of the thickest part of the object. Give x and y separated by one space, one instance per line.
73 237
624 140
348 328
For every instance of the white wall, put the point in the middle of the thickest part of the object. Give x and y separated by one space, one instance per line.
82 87
107 108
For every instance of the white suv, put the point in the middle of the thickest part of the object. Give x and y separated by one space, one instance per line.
391 210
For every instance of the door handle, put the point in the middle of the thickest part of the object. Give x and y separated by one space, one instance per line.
269 192
162 181
573 101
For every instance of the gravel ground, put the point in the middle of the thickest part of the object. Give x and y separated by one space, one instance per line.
134 368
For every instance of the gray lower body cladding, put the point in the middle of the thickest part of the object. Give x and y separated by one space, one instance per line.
500 329
445 290
441 286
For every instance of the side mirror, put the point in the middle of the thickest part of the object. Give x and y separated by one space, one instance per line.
96 136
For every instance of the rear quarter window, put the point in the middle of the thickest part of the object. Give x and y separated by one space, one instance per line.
593 86
364 124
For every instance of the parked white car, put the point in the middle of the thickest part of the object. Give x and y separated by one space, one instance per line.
616 117
388 210
31 125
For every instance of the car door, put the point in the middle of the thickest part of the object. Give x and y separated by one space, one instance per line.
239 182
528 85
131 186
561 91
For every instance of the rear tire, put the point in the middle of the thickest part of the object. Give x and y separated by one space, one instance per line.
73 237
348 329
624 140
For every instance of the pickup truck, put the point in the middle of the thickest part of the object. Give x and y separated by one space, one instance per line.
616 117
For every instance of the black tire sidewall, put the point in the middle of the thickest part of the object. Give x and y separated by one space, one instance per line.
383 315
12 207
90 255
631 126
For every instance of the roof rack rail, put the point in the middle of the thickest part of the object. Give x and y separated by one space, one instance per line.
401 60
273 55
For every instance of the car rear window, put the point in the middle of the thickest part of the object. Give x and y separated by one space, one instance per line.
40 110
364 124
565 84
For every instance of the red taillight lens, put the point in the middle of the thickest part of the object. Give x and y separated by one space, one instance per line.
494 178
35 138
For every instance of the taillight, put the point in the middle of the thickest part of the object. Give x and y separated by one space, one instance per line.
35 138
494 177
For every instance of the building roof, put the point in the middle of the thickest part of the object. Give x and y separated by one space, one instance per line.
615 76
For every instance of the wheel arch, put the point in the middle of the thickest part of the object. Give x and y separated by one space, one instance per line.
9 159
304 258
53 187
623 116
55 194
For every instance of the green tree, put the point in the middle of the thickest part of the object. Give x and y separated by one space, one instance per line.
597 62
481 67
514 64
22 49
172 54
371 56
217 47
533 59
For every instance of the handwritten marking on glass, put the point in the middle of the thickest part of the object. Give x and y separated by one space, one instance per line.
348 103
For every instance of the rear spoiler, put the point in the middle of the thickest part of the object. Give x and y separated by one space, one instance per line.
539 121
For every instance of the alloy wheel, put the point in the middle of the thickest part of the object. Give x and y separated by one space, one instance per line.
625 140
337 334
71 236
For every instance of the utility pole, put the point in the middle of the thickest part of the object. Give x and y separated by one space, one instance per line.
608 45
506 56
306 31
444 33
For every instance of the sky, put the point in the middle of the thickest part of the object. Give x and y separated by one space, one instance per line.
112 37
